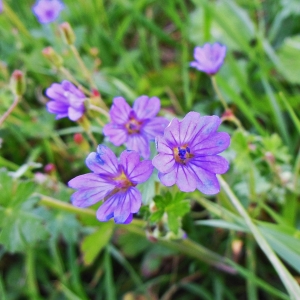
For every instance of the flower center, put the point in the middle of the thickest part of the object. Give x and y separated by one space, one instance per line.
182 154
133 126
123 181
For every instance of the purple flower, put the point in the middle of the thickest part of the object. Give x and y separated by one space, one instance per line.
67 100
188 154
135 126
209 58
1 6
47 11
112 181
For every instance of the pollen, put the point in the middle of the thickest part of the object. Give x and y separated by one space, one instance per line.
182 154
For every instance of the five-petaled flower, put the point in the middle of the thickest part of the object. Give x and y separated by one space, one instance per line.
47 11
112 181
188 153
209 58
66 100
135 126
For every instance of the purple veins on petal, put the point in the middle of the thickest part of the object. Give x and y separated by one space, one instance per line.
137 126
187 154
113 182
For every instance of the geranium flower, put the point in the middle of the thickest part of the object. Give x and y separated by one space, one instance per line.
112 181
188 153
136 126
209 58
47 11
66 100
1 6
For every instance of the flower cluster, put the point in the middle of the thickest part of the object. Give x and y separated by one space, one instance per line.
112 181
66 101
135 126
47 11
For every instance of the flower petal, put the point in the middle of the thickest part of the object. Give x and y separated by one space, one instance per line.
189 127
207 182
162 145
214 144
106 210
129 160
164 163
213 163
186 179
116 133
168 179
138 143
103 162
146 108
155 127
74 114
171 133
141 172
56 107
120 111
129 202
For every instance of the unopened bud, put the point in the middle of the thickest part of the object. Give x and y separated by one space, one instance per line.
67 33
53 57
78 138
17 83
49 168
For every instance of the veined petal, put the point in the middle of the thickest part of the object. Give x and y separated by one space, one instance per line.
74 114
129 202
186 179
141 172
106 210
129 160
155 127
171 133
119 111
162 145
213 163
116 133
90 180
207 182
214 144
55 107
163 162
168 179
103 162
138 143
146 108
189 127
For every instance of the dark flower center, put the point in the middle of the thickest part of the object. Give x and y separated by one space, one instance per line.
123 181
49 13
182 154
133 126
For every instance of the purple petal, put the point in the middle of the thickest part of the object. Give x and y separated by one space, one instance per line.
103 162
129 202
128 220
141 172
74 114
164 163
106 210
129 160
214 144
55 107
117 134
92 189
146 108
162 145
214 163
207 182
155 127
207 126
56 92
186 179
70 87
119 111
168 179
138 143
171 133
189 127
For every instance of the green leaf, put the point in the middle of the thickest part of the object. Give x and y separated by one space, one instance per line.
94 243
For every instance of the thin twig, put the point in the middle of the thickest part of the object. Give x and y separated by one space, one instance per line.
9 111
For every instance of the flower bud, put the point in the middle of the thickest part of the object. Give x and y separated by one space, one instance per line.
67 33
53 57
17 83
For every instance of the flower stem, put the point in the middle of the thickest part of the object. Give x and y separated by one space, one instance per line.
217 91
31 278
9 111
98 109
287 279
